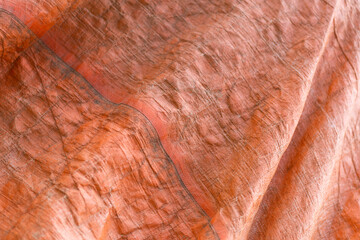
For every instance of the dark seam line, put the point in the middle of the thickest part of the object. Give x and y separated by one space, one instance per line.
27 29
147 119
120 104
176 171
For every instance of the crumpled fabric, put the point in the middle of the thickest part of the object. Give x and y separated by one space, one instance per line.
142 119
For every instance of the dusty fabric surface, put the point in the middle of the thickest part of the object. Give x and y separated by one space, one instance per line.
179 119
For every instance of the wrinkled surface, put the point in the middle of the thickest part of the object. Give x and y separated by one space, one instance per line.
180 119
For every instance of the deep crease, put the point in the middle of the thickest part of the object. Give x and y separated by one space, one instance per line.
321 52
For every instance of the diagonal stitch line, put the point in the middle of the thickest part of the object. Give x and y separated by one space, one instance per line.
39 41
14 17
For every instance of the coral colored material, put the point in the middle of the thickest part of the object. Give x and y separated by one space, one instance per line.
180 119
